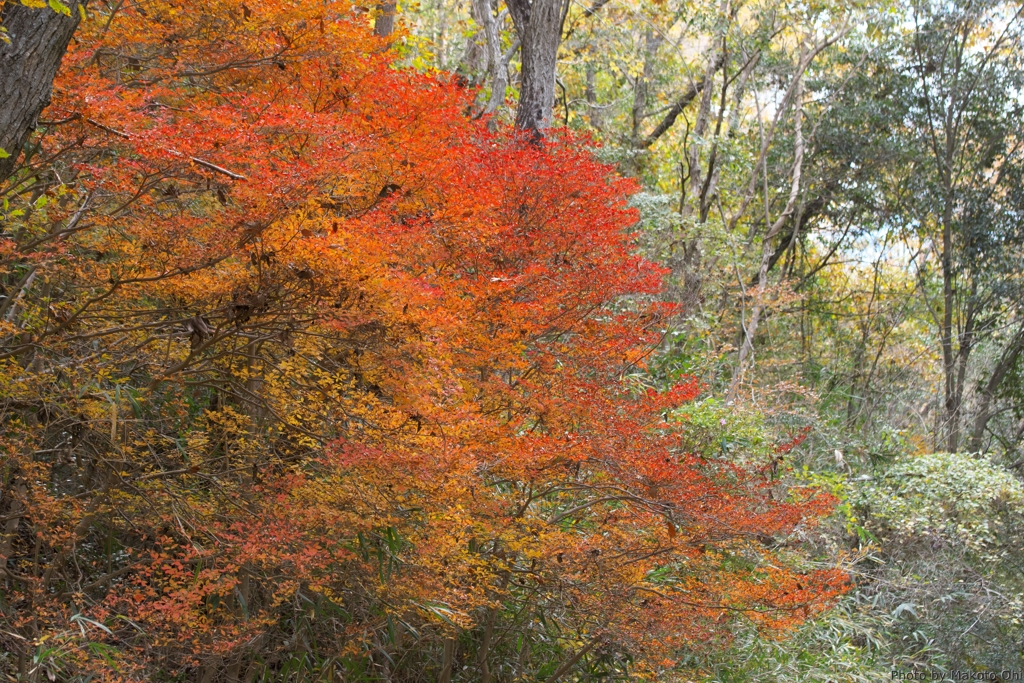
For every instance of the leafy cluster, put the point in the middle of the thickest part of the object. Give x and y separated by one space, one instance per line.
956 497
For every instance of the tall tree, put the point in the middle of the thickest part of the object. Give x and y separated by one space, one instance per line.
957 67
539 25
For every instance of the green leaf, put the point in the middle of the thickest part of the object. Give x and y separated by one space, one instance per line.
103 651
80 618
4 153
905 607
125 619
59 7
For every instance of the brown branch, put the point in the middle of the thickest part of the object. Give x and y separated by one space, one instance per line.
571 662
201 162
680 104
110 130
217 169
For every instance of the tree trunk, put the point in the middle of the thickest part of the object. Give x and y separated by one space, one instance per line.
1006 362
750 329
384 24
965 345
485 645
946 332
497 65
590 93
16 492
39 37
539 25
652 42
476 55
447 656
700 128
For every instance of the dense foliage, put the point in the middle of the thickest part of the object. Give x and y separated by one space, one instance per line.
306 371
511 340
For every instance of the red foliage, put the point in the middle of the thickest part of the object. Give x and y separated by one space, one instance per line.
379 363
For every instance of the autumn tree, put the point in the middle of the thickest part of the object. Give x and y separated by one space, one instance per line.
301 368
791 161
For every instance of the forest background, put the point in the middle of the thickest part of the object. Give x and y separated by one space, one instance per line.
511 341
